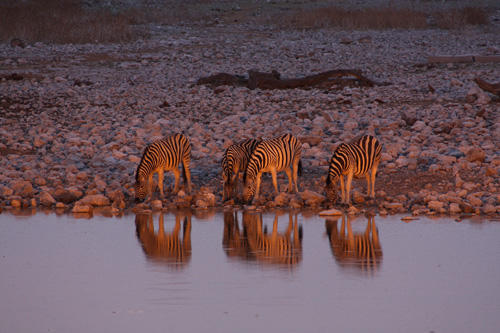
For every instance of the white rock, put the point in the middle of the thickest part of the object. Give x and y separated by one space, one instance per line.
331 212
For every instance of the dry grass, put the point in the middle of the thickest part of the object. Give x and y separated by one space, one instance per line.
368 18
61 22
380 18
67 21
457 18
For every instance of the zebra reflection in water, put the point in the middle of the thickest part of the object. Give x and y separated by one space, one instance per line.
253 243
165 247
360 251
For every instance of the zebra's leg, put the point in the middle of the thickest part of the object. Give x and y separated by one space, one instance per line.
288 172
373 176
235 179
160 181
275 179
342 188
348 186
296 163
368 183
177 175
257 186
151 187
187 174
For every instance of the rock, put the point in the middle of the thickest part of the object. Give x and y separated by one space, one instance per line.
476 154
119 204
466 208
489 209
409 218
65 196
46 199
331 212
155 204
357 197
311 198
455 208
16 202
201 204
394 206
474 200
281 199
207 197
24 189
95 200
435 205
229 203
353 211
80 208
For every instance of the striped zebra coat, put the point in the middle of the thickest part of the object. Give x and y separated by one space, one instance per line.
275 155
163 155
235 159
356 158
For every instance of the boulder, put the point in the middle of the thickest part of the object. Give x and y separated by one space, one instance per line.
80 208
435 205
476 154
46 199
281 199
455 208
331 212
95 200
312 198
24 189
207 197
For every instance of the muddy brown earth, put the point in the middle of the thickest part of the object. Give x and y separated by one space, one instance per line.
75 119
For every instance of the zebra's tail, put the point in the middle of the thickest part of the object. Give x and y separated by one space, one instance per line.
299 169
184 173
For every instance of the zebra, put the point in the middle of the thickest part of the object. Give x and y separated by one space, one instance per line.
235 159
163 155
356 158
274 155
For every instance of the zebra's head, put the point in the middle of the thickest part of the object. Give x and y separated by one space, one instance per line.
331 188
141 187
249 190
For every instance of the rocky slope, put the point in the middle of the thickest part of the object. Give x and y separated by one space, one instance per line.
75 119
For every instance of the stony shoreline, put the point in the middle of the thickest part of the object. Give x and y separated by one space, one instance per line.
75 120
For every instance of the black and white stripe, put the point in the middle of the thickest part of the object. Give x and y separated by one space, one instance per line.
233 162
356 158
163 155
275 155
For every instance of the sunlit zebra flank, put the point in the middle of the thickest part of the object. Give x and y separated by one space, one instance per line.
275 155
356 158
235 159
163 155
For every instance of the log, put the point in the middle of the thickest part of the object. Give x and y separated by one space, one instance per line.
493 88
266 81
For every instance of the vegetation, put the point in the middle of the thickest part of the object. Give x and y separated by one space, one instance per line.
79 22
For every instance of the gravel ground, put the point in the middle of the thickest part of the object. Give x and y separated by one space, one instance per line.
75 120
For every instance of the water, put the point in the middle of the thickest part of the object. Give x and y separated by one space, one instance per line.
61 274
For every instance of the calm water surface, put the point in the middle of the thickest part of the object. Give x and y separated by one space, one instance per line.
240 272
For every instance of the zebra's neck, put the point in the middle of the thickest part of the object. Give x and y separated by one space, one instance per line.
144 170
